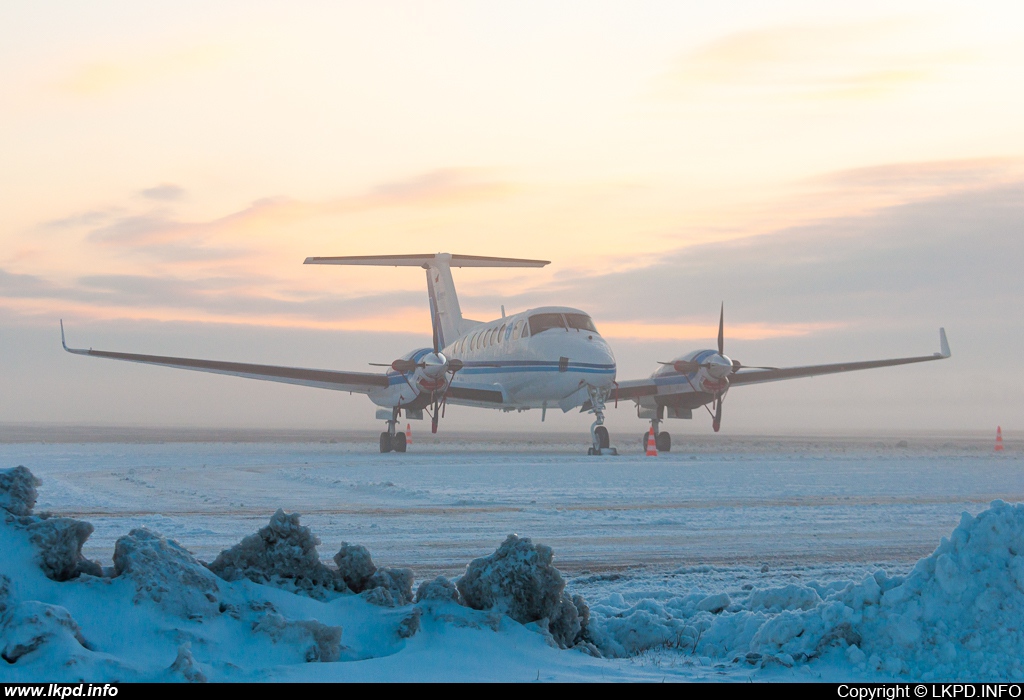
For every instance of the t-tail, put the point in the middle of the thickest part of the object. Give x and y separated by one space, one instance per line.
445 312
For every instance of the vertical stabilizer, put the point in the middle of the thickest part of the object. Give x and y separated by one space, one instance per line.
445 312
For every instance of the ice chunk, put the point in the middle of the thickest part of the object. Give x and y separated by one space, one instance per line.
18 490
390 588
440 589
166 573
30 625
519 580
185 666
715 603
789 597
312 640
58 543
355 567
282 554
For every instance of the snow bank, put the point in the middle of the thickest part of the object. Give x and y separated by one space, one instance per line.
312 640
30 625
519 581
959 614
439 590
282 554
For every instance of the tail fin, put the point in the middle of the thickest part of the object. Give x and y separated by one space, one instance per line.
445 312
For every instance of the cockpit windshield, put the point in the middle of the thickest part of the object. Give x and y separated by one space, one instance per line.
545 322
581 322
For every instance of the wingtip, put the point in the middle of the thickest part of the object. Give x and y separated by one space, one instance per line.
943 344
62 341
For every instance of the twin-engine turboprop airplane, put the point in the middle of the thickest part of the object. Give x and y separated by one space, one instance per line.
539 358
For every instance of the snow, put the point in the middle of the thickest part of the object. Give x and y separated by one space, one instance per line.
756 589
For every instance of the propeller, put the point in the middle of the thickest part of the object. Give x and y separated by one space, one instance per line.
718 366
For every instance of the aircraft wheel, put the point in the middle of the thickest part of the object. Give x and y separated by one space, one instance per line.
643 441
663 442
385 443
398 442
602 437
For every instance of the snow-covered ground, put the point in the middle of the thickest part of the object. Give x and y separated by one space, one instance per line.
690 562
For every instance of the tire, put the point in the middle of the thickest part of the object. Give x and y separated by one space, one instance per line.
398 442
663 442
601 433
643 442
590 451
385 443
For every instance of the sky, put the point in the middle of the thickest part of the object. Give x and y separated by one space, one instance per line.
846 178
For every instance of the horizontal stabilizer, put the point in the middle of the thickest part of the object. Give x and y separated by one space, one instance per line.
425 259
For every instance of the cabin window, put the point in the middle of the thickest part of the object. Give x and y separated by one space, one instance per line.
491 336
581 322
545 322
501 334
473 343
517 329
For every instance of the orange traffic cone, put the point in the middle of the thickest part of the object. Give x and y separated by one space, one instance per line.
652 444
999 438
408 434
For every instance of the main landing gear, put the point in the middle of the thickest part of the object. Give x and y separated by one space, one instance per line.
601 444
663 441
392 439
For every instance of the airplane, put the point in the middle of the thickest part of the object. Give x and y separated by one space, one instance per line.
550 356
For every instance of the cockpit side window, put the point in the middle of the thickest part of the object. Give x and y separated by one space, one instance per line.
581 322
517 329
545 322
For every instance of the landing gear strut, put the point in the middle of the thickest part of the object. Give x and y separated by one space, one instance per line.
601 444
662 441
392 439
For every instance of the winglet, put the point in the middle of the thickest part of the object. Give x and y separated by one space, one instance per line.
73 351
943 344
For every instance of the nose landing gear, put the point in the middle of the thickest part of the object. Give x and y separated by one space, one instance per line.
601 443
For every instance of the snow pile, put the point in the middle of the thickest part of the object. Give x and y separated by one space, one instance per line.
57 541
439 590
390 587
313 640
18 490
166 573
519 581
282 554
355 567
29 625
958 614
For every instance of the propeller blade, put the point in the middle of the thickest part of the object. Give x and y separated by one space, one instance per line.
721 331
685 366
454 365
717 422
404 366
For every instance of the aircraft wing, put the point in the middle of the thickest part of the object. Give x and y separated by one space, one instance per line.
358 382
667 385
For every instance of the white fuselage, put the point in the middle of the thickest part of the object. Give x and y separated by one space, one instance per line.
533 366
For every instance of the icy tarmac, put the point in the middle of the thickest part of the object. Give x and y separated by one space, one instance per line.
806 507
760 522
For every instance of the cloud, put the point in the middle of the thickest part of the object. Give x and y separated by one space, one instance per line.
813 62
163 193
105 76
957 256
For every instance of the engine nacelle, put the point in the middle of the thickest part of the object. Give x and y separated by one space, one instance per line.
414 380
707 370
